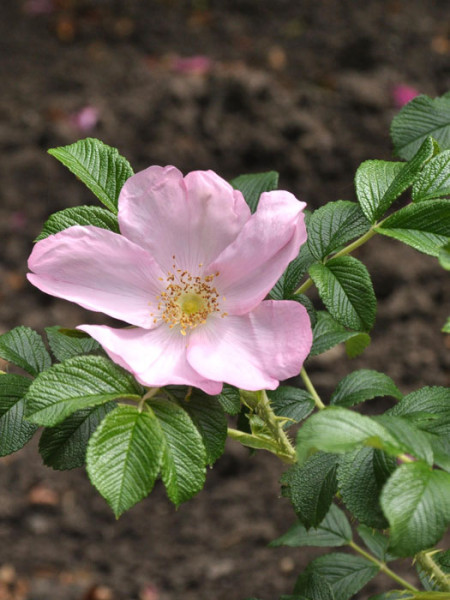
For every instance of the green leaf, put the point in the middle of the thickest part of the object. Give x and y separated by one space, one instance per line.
79 382
333 225
408 438
64 345
101 168
345 573
444 256
288 283
124 456
415 502
184 456
328 333
376 542
253 185
230 399
64 446
339 430
346 289
362 385
290 402
24 347
446 326
418 119
424 226
355 345
432 403
434 181
79 215
334 530
312 586
374 181
311 487
377 195
208 416
15 432
396 595
361 475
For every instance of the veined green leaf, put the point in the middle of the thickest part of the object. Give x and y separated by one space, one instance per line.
79 215
334 530
24 347
333 225
184 456
288 283
434 180
415 502
327 333
101 168
230 399
253 185
15 432
425 226
293 403
361 475
64 446
311 487
346 289
417 120
64 345
79 382
124 456
444 256
362 385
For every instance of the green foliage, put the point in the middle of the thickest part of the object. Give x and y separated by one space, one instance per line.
79 215
374 183
361 475
24 347
183 453
346 574
124 456
334 530
417 120
64 446
230 399
415 502
252 186
425 226
208 416
333 225
376 542
444 256
327 333
288 283
312 586
346 289
15 432
434 181
101 168
79 382
363 385
311 487
292 403
66 343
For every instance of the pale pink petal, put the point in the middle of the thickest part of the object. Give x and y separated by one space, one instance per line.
193 218
99 270
253 351
253 263
156 358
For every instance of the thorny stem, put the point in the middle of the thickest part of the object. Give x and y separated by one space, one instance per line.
347 250
383 567
426 561
311 389
266 413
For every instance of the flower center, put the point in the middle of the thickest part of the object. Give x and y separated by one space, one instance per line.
188 299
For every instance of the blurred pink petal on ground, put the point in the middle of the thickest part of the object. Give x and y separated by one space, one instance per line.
402 94
85 119
190 270
195 65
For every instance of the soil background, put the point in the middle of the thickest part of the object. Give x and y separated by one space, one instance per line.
302 87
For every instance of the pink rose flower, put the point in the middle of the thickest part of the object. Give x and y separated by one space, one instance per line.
190 272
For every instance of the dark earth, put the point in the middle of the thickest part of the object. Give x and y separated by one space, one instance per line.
305 88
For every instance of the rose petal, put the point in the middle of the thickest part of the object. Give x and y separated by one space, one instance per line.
254 262
156 358
193 219
99 270
253 351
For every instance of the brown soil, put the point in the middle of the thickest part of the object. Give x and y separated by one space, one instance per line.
303 88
